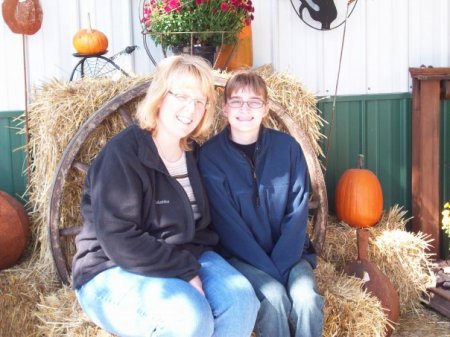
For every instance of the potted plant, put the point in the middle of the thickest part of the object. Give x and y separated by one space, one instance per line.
193 25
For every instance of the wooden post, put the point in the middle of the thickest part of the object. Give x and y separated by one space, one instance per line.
426 151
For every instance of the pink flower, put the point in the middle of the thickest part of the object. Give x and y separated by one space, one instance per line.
175 4
224 7
198 2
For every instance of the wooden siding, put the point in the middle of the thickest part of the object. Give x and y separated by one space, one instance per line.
445 169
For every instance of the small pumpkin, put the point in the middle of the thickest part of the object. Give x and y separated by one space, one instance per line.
359 198
90 41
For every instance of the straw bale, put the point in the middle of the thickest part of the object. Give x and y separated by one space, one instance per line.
59 314
58 110
56 113
298 101
20 287
348 309
399 254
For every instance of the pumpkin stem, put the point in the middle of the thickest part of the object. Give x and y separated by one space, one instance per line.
89 23
360 162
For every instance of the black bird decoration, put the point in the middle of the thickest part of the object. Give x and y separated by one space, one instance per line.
323 11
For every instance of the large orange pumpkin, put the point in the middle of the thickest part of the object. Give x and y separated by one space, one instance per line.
359 198
90 41
14 230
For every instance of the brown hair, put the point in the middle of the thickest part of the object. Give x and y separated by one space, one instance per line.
184 68
245 79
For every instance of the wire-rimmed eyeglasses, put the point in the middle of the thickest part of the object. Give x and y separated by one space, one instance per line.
185 100
251 103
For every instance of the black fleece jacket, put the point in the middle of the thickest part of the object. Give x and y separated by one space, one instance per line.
137 216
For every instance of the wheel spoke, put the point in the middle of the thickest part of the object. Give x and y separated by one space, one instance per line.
126 116
69 231
82 167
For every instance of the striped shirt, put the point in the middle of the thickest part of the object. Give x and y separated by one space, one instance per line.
178 170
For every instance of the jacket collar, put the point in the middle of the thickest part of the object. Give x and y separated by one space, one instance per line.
261 135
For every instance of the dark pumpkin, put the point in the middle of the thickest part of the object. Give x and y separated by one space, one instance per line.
14 230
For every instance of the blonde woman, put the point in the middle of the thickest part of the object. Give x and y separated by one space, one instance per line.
144 264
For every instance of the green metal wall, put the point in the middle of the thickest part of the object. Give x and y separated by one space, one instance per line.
12 154
379 127
375 126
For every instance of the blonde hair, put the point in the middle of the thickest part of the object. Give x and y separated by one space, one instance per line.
185 68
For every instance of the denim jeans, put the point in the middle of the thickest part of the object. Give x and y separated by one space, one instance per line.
128 304
295 311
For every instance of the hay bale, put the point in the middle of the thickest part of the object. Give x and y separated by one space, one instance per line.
20 288
59 314
399 254
348 309
58 110
56 113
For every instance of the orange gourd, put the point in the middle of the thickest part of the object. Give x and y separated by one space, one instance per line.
90 41
359 198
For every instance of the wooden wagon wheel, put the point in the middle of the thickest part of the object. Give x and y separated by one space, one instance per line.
59 234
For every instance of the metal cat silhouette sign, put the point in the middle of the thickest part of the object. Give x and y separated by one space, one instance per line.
323 14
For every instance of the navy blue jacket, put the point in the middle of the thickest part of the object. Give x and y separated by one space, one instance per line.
260 211
137 216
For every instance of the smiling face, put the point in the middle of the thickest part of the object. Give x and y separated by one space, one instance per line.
181 110
245 111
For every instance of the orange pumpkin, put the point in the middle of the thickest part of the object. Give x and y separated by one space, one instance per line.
359 198
90 41
14 230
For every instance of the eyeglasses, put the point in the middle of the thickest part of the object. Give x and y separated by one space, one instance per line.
252 104
200 104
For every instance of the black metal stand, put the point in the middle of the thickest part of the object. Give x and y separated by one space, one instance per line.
95 65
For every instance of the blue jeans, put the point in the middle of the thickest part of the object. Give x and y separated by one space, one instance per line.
295 311
128 304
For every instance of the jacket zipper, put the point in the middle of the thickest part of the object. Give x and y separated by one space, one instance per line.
256 200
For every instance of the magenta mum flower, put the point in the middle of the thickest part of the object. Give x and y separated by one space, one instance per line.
224 7
175 4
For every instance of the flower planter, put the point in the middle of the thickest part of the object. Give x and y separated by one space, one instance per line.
207 52
240 55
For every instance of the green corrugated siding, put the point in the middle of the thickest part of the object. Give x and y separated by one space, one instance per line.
12 154
377 127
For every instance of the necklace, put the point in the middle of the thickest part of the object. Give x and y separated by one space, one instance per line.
168 154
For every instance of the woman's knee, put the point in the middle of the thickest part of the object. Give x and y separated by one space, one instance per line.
191 319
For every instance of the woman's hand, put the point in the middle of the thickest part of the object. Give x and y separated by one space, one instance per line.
197 284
